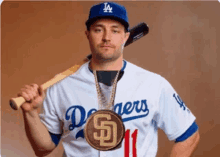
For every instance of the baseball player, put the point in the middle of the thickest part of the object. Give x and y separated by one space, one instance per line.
145 101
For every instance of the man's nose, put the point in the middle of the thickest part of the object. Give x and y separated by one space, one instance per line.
106 36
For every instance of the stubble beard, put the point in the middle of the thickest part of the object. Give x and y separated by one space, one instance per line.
103 57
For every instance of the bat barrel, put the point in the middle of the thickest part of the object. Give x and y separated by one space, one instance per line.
137 32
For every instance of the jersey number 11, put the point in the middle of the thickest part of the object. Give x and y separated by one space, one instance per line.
127 143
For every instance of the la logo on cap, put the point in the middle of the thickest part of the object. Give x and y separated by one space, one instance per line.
107 8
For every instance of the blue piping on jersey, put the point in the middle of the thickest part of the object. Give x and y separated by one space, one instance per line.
124 66
189 132
122 69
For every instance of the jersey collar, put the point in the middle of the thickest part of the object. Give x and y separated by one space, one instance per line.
106 77
122 69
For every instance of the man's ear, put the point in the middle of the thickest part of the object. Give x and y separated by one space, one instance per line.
127 34
87 34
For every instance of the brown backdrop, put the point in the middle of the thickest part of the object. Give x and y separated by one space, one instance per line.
41 39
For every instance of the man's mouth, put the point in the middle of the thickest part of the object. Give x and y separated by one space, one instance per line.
106 46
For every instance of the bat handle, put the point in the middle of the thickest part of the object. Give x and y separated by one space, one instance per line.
16 103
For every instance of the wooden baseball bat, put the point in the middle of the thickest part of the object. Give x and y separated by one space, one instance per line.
136 33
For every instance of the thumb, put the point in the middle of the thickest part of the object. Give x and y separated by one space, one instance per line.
41 91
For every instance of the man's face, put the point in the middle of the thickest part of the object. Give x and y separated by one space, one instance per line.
106 38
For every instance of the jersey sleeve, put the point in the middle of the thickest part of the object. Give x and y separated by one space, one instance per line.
48 114
192 129
174 116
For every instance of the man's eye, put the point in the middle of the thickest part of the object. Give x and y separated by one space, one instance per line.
97 30
115 31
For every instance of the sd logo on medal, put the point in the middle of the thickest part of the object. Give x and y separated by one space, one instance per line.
104 130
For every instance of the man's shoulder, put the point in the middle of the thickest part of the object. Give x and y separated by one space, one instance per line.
141 72
81 75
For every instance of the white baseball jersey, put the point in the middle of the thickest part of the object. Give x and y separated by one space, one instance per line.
145 101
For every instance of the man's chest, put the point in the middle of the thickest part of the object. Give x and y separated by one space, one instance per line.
136 108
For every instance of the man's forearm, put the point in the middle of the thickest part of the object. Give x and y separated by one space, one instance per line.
37 134
187 147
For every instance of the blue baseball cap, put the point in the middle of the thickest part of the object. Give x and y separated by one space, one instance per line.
108 10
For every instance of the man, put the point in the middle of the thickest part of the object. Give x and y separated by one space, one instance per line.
144 100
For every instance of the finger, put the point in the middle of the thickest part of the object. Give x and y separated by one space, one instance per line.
35 86
22 90
31 94
35 89
27 86
28 90
34 92
25 96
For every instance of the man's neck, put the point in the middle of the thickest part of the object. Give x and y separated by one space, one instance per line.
107 66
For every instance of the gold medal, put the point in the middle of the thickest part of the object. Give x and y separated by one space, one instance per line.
104 129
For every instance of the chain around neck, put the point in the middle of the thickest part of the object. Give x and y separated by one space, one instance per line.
110 104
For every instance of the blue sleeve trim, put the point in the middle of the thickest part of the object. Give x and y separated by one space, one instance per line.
55 138
191 130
